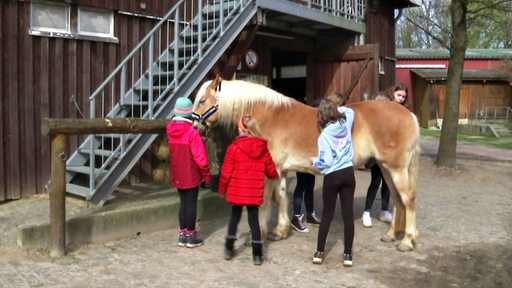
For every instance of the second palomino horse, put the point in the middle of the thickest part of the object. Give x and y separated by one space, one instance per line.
382 130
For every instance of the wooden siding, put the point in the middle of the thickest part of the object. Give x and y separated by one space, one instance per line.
474 96
45 76
425 96
380 29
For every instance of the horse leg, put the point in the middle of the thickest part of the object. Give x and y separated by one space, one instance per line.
283 221
264 209
404 214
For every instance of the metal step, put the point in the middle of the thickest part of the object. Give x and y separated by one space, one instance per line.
77 190
85 170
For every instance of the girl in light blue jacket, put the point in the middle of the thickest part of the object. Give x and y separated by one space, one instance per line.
335 162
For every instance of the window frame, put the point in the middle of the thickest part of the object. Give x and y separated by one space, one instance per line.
50 31
72 23
95 34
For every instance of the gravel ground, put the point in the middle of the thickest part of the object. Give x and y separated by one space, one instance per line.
463 216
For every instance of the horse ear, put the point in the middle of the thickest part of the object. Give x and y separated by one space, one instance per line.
216 80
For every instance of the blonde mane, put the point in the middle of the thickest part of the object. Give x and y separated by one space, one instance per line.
238 97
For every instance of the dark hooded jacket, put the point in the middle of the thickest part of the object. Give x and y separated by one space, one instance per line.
246 162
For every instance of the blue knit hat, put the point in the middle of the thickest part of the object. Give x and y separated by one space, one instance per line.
183 107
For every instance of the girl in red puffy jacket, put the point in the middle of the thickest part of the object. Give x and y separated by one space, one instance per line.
246 163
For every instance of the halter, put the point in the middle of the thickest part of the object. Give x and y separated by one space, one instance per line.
212 109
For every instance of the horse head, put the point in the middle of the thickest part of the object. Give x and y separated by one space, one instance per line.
206 102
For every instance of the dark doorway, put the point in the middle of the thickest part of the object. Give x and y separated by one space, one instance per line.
289 74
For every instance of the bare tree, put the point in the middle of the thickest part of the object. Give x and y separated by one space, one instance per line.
428 26
431 20
446 154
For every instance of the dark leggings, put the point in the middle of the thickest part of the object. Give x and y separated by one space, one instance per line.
252 219
374 186
188 208
343 183
305 187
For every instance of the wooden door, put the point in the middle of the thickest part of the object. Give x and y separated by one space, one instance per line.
463 102
352 70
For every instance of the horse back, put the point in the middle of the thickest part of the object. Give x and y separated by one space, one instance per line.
385 131
292 134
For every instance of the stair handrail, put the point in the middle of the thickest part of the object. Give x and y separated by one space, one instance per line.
125 60
491 112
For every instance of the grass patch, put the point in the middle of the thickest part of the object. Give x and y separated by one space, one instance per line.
502 142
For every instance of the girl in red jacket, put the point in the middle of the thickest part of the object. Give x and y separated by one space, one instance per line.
246 163
189 166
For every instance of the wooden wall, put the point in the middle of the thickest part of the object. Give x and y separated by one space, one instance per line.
380 29
430 98
44 77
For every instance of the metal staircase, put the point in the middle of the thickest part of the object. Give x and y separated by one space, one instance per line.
170 61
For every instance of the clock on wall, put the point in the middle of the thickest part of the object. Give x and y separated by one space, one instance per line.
251 58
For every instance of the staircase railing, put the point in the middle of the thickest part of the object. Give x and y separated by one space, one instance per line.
494 113
145 80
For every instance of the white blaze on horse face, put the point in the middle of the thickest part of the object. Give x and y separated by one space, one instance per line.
204 100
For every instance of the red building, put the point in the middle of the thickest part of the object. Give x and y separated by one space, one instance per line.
486 90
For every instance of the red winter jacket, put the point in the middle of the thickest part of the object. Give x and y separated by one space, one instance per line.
187 155
246 162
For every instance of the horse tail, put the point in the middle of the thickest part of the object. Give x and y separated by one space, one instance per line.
414 167
415 159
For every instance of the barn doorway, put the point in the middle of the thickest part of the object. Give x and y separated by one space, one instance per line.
289 74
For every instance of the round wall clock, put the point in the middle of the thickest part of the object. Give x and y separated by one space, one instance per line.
251 58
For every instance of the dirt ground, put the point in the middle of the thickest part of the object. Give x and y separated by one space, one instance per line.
464 218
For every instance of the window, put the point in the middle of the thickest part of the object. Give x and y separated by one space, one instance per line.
95 22
50 17
53 19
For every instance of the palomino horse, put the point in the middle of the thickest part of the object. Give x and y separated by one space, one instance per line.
382 130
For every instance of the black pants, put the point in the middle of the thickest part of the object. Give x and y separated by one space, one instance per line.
252 219
343 183
305 187
374 186
188 208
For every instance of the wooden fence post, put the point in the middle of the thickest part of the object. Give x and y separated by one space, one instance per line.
57 129
57 196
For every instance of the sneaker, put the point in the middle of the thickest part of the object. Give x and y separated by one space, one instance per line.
182 239
312 219
318 258
297 224
347 260
367 219
385 216
193 241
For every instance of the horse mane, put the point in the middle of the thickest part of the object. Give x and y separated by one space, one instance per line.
238 97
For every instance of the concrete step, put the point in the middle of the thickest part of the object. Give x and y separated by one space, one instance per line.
130 211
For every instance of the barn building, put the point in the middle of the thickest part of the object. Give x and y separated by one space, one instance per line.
94 59
486 91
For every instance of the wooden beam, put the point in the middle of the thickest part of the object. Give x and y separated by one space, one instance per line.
52 126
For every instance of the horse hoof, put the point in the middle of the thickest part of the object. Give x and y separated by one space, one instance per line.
403 247
387 239
274 237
